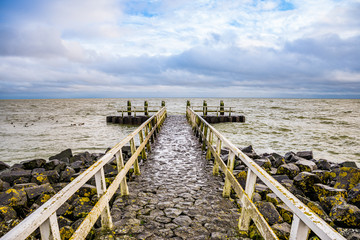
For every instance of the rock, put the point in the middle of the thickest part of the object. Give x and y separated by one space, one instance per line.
328 203
87 190
348 177
325 191
7 213
269 212
66 232
241 178
315 207
347 232
35 191
262 189
323 175
285 212
282 230
40 178
346 216
10 175
82 157
31 164
53 176
172 212
43 198
13 198
354 236
271 197
354 195
306 165
323 164
290 169
256 197
305 181
63 221
66 175
182 221
63 209
288 156
81 211
250 152
50 165
3 166
278 160
66 154
305 154
4 185
264 163
348 164
281 178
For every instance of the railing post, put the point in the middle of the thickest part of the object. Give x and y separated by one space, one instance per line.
221 108
143 153
230 166
244 220
218 151
208 153
49 229
152 135
204 108
136 163
106 221
129 107
201 131
124 190
205 136
299 230
146 106
148 147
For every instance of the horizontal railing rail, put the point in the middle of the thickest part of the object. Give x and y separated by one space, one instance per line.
304 218
45 216
219 110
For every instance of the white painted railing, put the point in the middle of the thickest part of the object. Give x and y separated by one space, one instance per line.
303 217
45 216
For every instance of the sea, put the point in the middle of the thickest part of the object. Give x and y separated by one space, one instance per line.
40 128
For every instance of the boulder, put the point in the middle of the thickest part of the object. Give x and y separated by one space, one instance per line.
348 164
35 163
35 191
262 189
269 212
354 195
348 177
52 175
323 175
285 212
63 221
277 160
241 178
281 178
315 207
271 197
306 165
325 191
305 154
40 178
7 213
67 174
50 165
13 198
305 182
66 154
289 169
282 230
263 163
323 164
346 215
87 190
4 185
77 165
327 203
3 166
288 156
10 175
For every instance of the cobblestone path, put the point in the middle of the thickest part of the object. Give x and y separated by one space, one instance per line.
176 196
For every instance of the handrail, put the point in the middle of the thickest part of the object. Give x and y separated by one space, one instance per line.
304 218
45 216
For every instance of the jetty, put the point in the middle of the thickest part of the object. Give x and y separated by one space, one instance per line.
184 189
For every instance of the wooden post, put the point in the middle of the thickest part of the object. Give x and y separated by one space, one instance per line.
204 108
106 221
208 153
136 163
162 103
146 106
230 166
143 153
221 108
124 190
148 147
50 228
188 103
129 107
299 230
205 136
244 220
216 164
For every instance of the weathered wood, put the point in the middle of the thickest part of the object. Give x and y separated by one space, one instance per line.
311 219
143 153
230 167
133 150
244 221
205 110
299 230
216 164
222 108
124 189
146 106
129 107
106 221
49 229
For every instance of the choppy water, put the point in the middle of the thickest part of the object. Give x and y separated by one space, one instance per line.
41 128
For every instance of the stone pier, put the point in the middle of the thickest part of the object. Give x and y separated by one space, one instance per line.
176 196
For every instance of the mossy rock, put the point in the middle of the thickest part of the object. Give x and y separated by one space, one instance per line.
316 208
354 195
66 232
43 198
285 212
269 212
40 178
31 164
13 198
348 177
254 233
290 169
329 202
325 191
282 230
271 197
7 213
305 181
346 215
306 165
241 178
63 221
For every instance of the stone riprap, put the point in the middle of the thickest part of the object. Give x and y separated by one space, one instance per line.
176 196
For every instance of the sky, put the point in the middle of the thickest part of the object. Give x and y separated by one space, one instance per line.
179 48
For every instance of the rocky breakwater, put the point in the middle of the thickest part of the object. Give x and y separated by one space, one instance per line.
331 190
27 185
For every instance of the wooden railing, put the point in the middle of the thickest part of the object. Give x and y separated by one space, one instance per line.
304 218
45 216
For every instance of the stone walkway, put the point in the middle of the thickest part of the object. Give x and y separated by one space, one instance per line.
176 196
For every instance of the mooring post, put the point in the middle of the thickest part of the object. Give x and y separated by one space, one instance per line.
162 103
221 108
146 106
204 108
188 103
129 107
